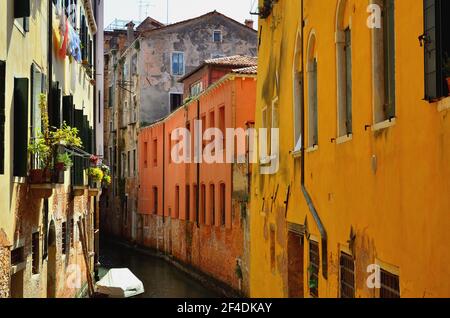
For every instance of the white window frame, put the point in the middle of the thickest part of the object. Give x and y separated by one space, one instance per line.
171 63
221 36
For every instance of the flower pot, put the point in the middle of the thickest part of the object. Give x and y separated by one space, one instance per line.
448 84
39 176
59 166
36 176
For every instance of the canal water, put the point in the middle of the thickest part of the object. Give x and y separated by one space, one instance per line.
160 278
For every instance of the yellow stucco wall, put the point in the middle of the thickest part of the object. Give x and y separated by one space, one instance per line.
391 186
20 50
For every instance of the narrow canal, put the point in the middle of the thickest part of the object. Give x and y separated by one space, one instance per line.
160 278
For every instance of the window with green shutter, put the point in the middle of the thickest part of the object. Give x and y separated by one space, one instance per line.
436 48
68 110
20 127
22 9
2 115
55 111
78 164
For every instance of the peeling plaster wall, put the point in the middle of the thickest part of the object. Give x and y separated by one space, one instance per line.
195 39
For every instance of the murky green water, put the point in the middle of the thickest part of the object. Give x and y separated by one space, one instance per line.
160 279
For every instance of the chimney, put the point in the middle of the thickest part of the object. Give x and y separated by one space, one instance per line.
249 23
130 32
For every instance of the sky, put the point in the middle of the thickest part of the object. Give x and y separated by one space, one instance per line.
178 9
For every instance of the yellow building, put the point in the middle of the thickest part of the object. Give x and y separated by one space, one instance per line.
40 245
359 206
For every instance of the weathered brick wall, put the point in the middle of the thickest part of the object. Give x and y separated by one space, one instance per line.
212 250
29 217
4 266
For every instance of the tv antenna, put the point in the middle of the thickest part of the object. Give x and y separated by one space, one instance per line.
144 7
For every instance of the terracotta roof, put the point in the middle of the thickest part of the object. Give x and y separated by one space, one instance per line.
234 62
252 70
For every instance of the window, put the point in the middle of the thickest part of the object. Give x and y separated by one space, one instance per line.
155 152
383 46
313 269
196 89
222 204
129 164
134 163
178 63
188 203
20 126
347 276
176 100
390 285
64 238
145 155
222 125
35 257
212 203
2 115
123 165
217 36
344 72
196 203
155 200
313 131
111 97
22 12
437 49
298 95
37 87
177 202
203 203
134 65
17 256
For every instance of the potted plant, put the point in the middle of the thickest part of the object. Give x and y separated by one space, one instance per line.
106 175
94 160
96 176
45 144
63 162
42 151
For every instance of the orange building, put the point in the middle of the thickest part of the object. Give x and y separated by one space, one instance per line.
198 212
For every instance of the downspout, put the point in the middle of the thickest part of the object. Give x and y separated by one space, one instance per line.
164 175
308 199
199 155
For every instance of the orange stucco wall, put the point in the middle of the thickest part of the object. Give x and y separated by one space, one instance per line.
212 248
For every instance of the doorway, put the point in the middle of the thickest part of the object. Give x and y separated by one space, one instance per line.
295 265
51 262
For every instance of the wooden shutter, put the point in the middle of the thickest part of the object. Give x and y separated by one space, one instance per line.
55 113
68 110
2 115
21 9
78 161
20 126
432 47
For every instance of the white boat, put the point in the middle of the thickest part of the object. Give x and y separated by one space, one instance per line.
120 283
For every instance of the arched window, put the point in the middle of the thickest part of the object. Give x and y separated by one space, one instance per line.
298 94
343 70
313 124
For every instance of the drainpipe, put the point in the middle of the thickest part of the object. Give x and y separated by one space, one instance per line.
308 199
164 175
199 152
